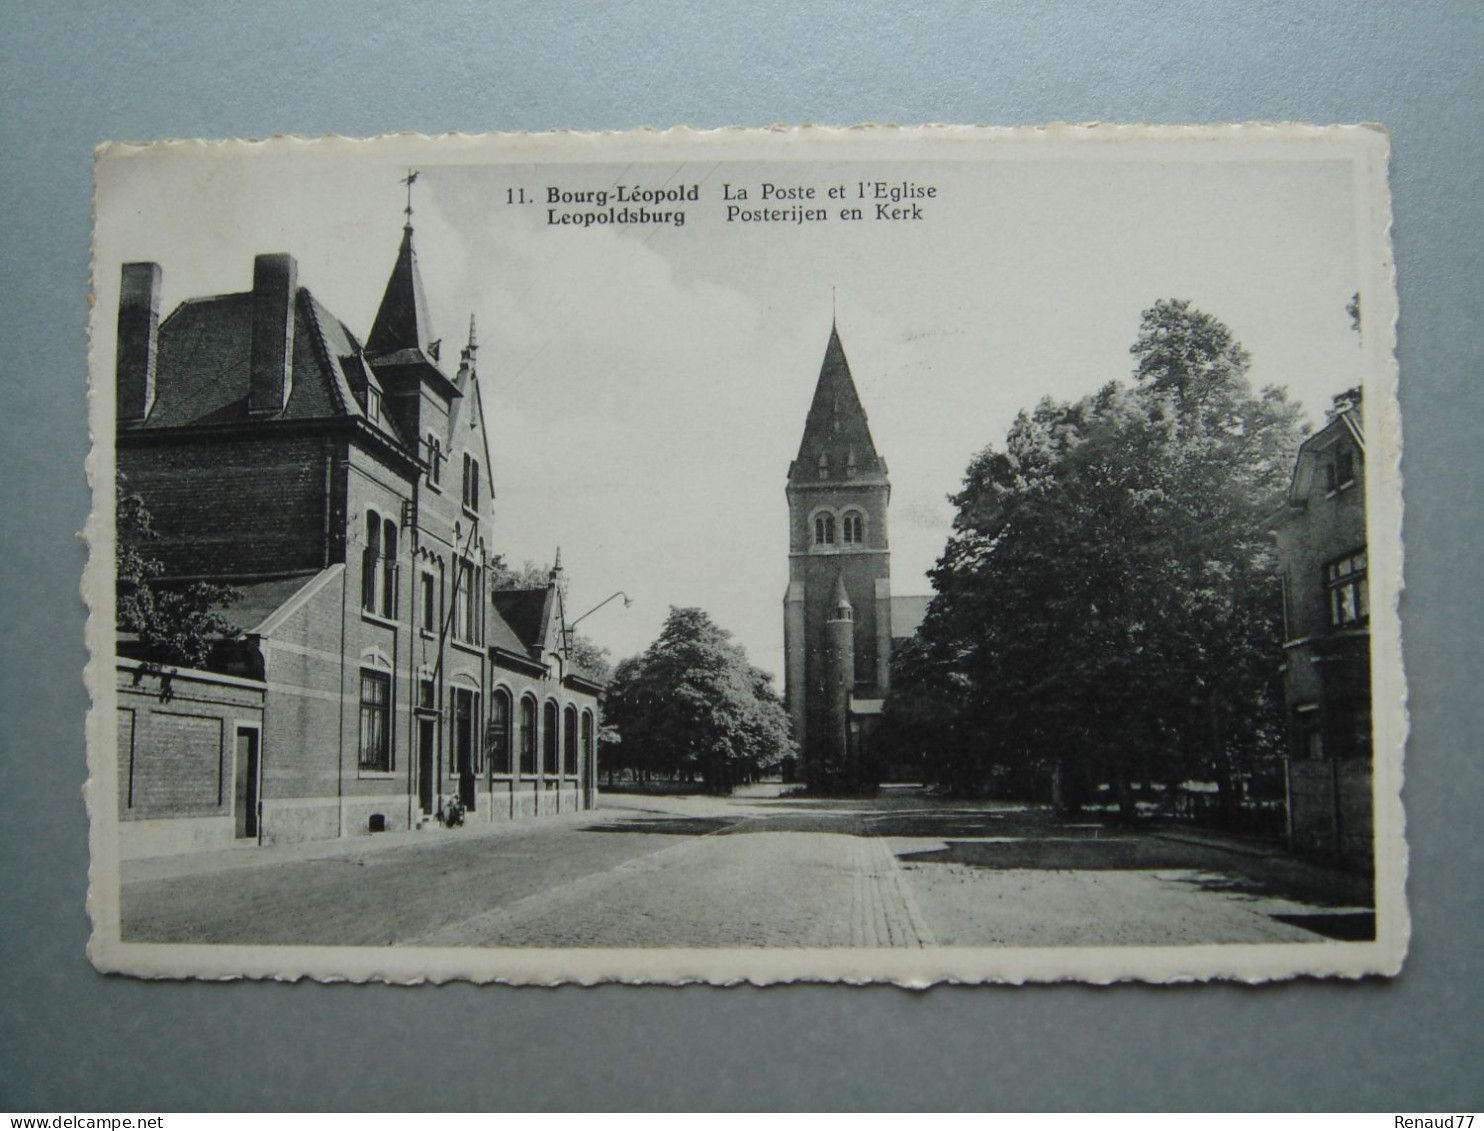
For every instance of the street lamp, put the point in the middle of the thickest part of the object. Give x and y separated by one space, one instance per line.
569 629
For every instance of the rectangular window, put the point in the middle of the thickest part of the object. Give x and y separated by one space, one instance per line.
428 604
1339 470
466 604
376 721
1345 468
471 482
425 694
1349 601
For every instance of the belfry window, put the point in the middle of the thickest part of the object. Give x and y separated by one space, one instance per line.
852 528
824 466
824 530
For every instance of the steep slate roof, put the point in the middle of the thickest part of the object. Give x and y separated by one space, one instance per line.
499 634
205 356
836 426
402 332
522 622
523 611
258 600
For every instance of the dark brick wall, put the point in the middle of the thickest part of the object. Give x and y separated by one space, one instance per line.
819 570
235 507
175 750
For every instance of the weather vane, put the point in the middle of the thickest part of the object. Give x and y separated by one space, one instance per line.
409 180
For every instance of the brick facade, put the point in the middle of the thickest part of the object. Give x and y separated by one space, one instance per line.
1321 537
345 491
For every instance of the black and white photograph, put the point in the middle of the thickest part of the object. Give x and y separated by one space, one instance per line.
899 555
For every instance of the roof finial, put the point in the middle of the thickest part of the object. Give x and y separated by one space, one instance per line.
409 180
466 355
832 306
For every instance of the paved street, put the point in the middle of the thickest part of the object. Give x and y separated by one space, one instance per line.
899 870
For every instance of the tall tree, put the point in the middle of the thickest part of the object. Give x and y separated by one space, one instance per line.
692 705
1107 605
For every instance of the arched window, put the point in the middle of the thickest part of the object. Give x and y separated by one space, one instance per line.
528 735
587 742
824 530
550 724
370 561
852 528
389 568
435 460
497 737
824 466
569 742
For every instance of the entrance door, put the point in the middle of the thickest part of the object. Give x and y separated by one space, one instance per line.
249 773
463 745
425 752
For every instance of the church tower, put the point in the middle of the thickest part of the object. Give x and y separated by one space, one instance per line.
837 612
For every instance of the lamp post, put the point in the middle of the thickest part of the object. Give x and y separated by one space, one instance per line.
569 629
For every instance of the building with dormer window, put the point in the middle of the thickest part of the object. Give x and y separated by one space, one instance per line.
375 679
1321 539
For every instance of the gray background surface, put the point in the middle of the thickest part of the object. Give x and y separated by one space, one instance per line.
75 74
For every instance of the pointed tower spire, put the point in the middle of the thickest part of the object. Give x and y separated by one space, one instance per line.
837 444
556 568
402 320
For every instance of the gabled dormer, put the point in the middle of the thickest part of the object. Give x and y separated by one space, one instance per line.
537 618
466 441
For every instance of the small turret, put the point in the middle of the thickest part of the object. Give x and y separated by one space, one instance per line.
840 671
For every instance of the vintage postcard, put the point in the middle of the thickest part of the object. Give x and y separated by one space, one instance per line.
901 555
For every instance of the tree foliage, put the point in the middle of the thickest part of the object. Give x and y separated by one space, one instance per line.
529 575
175 624
1107 607
692 706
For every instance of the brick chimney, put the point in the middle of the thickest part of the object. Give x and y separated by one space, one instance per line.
274 286
138 340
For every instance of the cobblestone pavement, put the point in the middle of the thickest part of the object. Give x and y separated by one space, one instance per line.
901 870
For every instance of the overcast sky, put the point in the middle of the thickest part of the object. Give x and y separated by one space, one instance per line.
646 386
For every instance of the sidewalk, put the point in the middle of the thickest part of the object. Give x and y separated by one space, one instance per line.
1210 838
259 856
